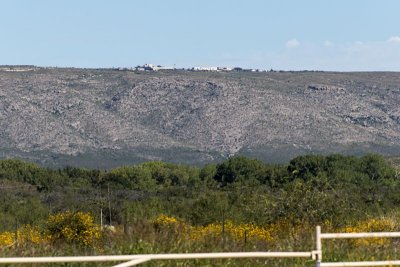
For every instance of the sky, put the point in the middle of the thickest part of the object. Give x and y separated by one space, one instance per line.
339 35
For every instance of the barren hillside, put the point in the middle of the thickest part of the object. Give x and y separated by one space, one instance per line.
104 118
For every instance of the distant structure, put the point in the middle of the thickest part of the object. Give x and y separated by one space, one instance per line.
224 69
205 68
153 67
18 68
149 67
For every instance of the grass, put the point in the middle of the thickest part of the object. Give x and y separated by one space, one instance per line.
167 234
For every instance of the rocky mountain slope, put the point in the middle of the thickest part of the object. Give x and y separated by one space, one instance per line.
105 118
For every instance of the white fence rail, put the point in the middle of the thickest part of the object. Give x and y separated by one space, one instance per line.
136 259
131 260
320 236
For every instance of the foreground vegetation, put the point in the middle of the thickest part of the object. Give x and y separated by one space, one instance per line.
241 204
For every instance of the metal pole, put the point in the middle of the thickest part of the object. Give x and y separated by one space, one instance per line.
101 219
318 246
223 230
101 210
109 202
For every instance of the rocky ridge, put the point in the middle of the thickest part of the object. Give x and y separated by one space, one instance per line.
105 118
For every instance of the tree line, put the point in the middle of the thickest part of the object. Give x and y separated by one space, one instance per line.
313 188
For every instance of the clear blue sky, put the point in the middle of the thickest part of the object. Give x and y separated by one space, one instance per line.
342 35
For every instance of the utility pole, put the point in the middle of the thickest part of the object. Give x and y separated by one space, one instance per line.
223 230
109 201
101 218
101 211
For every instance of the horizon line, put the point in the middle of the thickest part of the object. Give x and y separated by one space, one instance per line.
130 68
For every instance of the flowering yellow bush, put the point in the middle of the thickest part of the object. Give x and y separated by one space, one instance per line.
74 227
236 232
77 227
170 223
164 220
30 234
7 239
25 234
371 225
271 233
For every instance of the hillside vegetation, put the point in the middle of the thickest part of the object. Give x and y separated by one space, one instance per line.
106 118
240 204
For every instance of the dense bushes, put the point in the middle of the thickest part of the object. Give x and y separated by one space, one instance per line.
17 170
312 187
